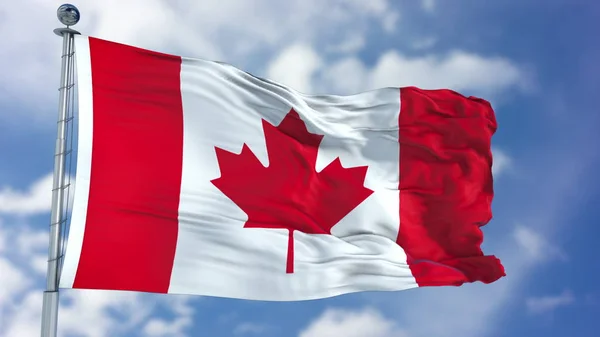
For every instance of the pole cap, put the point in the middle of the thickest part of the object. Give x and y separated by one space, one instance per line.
68 14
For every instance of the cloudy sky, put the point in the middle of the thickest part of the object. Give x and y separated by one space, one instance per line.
536 61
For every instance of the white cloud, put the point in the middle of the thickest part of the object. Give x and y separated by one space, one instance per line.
27 248
539 305
3 238
345 76
351 44
295 67
424 43
428 5
250 328
181 306
23 319
39 264
80 308
535 245
390 21
14 281
95 313
36 200
301 68
364 323
32 246
29 241
374 7
458 70
502 162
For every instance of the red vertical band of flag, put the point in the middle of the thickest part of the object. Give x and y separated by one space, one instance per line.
131 227
446 186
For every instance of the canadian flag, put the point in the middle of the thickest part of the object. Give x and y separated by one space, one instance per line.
194 177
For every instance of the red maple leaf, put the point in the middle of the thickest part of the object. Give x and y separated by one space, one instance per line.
289 193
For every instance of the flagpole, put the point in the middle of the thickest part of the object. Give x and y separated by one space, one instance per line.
68 15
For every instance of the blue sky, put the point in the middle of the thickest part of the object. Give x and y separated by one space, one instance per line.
536 61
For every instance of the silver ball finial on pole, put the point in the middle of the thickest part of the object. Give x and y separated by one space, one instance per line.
68 15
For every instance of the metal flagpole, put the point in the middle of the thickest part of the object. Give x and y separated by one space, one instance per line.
68 15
